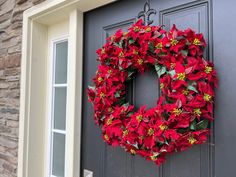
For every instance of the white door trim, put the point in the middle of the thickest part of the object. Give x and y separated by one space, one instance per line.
34 79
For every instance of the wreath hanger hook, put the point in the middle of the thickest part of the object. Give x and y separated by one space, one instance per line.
146 13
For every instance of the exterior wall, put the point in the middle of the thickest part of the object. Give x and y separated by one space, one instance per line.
10 57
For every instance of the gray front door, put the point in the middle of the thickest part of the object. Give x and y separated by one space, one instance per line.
213 159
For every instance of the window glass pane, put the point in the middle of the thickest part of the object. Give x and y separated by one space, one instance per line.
60 108
61 62
58 162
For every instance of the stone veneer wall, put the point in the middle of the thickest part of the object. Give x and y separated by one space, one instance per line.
11 12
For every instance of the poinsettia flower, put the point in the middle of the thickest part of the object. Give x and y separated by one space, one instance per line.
135 29
116 37
209 72
91 94
165 82
131 149
179 77
105 96
113 127
159 46
178 114
174 40
136 119
196 42
191 138
171 134
157 158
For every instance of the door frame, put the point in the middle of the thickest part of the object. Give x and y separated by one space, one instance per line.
34 78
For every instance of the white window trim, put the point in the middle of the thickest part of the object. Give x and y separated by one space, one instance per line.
51 91
33 105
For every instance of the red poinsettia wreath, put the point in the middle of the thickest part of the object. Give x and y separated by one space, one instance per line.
184 109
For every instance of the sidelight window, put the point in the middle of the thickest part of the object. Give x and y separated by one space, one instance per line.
58 115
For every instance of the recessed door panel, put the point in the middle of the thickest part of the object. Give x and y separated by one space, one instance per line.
107 161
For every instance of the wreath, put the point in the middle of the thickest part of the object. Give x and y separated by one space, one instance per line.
185 107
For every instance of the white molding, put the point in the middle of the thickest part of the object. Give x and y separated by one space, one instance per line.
34 78
75 69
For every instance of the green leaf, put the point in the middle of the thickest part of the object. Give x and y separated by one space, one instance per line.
117 95
151 47
172 73
103 117
160 70
125 105
121 101
182 130
120 68
193 125
188 43
131 41
130 73
161 53
157 67
91 87
167 45
202 124
134 145
107 62
184 52
119 44
190 87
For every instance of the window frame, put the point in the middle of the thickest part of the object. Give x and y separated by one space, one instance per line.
51 94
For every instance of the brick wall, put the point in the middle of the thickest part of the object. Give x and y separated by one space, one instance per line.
10 58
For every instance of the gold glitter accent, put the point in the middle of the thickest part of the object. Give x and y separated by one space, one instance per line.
125 132
191 140
159 46
197 111
162 85
140 61
208 69
109 71
196 41
133 151
174 42
185 92
139 118
136 29
177 112
135 52
163 127
102 95
207 97
154 156
150 131
110 109
181 76
106 137
109 121
148 29
100 79
121 54
103 51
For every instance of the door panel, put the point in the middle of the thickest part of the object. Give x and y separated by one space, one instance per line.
116 157
192 15
106 161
